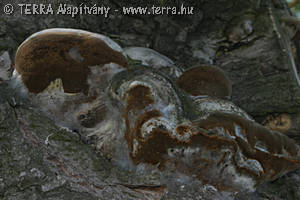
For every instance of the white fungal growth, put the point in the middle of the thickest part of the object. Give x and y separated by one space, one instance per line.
206 106
167 125
239 132
153 123
16 83
148 57
187 152
135 147
100 76
167 110
136 83
240 180
47 139
259 145
65 129
51 99
109 42
251 164
105 127
222 132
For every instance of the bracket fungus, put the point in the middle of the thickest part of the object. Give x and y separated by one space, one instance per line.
142 115
65 71
66 54
221 146
205 81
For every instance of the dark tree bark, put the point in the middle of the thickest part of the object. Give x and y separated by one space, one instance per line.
41 161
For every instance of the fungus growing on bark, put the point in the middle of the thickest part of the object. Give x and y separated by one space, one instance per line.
54 63
208 106
142 116
205 81
224 148
64 54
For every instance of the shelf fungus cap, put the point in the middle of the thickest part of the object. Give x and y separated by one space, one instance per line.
205 81
64 54
251 153
226 148
65 73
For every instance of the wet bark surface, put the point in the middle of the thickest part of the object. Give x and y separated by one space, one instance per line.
41 161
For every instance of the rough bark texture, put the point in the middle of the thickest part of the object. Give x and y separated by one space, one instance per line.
41 161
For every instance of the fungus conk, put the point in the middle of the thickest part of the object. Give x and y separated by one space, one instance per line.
178 121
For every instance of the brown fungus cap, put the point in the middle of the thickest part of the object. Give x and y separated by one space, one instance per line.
220 145
223 150
66 54
205 80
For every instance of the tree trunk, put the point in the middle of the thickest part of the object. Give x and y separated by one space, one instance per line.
42 161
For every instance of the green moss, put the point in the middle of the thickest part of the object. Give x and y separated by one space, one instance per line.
132 62
60 137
